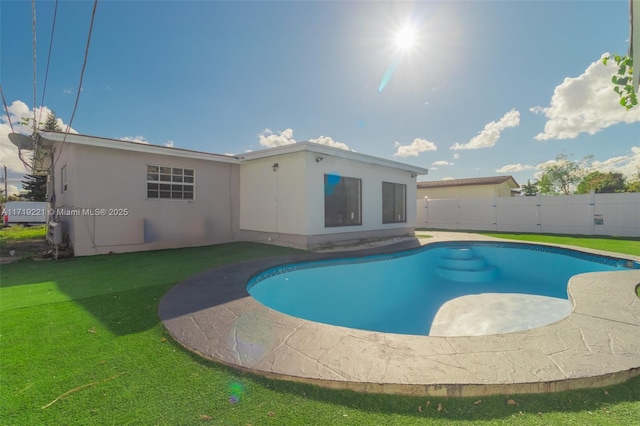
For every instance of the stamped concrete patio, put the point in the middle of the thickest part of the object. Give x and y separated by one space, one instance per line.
598 344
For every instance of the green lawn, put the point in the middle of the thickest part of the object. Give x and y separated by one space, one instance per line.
20 233
81 344
626 245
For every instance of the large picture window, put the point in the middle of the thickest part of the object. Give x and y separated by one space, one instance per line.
342 201
394 202
171 183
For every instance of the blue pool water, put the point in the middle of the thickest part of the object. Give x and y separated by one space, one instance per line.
402 292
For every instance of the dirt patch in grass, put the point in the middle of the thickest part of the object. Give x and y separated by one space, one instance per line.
11 251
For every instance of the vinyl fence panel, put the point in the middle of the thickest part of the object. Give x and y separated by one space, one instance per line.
585 214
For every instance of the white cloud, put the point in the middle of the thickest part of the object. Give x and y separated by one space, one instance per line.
138 139
415 148
441 163
488 136
18 112
169 143
584 104
269 139
456 156
325 140
510 168
628 165
12 189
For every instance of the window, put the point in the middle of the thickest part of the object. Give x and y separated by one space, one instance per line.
342 201
394 202
63 179
170 183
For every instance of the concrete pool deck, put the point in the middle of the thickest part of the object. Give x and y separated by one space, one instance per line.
598 344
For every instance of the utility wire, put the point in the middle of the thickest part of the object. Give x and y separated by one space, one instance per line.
46 73
4 102
35 88
84 64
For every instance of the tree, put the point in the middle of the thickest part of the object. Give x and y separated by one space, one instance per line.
634 183
561 175
529 189
623 80
52 123
602 183
36 187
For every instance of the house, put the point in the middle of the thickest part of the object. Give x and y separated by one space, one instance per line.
482 187
116 196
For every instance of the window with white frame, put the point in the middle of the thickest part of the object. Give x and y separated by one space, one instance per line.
394 202
170 183
342 201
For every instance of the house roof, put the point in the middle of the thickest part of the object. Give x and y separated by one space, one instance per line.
48 138
331 151
74 138
491 180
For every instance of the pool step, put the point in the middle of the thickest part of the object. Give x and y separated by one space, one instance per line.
462 265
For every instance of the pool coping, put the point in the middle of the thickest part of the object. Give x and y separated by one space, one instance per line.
598 344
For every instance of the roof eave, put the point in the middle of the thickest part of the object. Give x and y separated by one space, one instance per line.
331 151
73 138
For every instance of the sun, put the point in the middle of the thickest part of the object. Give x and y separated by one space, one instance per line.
405 38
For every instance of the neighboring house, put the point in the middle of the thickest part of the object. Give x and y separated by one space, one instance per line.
117 196
482 187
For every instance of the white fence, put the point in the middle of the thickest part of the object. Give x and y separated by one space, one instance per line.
587 214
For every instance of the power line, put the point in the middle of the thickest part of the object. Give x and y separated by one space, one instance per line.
46 73
84 64
35 88
4 102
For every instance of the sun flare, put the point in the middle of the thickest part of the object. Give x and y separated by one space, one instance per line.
405 38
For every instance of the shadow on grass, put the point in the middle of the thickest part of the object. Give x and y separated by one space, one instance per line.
472 409
114 287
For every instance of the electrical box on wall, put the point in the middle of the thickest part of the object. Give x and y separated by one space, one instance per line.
54 232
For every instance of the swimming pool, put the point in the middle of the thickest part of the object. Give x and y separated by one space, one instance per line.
405 292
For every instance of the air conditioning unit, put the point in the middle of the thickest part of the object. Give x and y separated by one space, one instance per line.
54 232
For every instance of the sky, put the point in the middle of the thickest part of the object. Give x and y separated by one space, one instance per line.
486 88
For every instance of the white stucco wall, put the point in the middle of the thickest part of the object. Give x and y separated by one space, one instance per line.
274 201
289 202
372 177
103 178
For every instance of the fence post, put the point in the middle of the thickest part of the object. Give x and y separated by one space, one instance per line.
592 212
539 212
